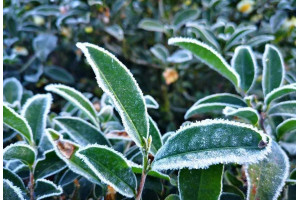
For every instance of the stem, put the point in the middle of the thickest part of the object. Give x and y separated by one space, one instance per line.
31 185
143 177
28 63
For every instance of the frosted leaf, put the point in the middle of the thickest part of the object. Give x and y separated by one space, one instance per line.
285 108
246 113
151 102
12 91
279 92
198 145
45 188
11 192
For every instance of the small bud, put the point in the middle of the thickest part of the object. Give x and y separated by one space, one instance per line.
245 6
170 75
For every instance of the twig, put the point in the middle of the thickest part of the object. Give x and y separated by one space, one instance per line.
31 185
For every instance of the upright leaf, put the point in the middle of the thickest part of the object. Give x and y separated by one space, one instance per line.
11 192
209 56
49 165
116 31
156 136
22 152
111 167
279 92
201 144
247 113
273 69
285 127
17 122
117 81
160 52
267 177
237 35
66 151
244 63
151 25
285 109
198 184
35 112
151 102
12 91
45 188
184 16
81 132
77 99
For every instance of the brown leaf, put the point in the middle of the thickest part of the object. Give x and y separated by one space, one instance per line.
66 148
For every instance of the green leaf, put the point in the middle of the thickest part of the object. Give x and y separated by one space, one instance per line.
267 177
198 184
285 127
49 165
35 112
208 56
151 102
201 144
273 69
156 136
111 167
237 35
11 192
233 190
43 45
14 178
172 197
106 113
180 56
230 196
246 113
151 25
285 109
81 132
22 152
258 40
12 91
279 92
215 102
244 63
117 81
66 151
17 123
160 52
77 99
45 188
184 16
138 169
233 180
205 34
116 31
58 74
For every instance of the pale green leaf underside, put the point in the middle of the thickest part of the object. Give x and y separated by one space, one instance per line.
286 109
160 52
205 108
117 81
267 177
11 192
244 63
279 92
12 91
273 69
201 144
286 127
199 184
81 132
76 98
246 113
17 122
209 56
22 152
111 167
151 25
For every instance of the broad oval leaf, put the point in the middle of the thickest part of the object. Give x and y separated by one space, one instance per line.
66 151
258 40
151 102
237 35
160 52
184 16
201 144
244 63
247 113
199 184
35 112
156 136
81 132
111 167
14 178
180 56
11 192
17 123
22 152
116 31
209 56
151 25
77 99
117 81
285 109
205 108
45 188
12 91
58 74
285 127
266 178
49 165
279 92
273 69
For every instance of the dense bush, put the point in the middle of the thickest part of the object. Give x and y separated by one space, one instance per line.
102 140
